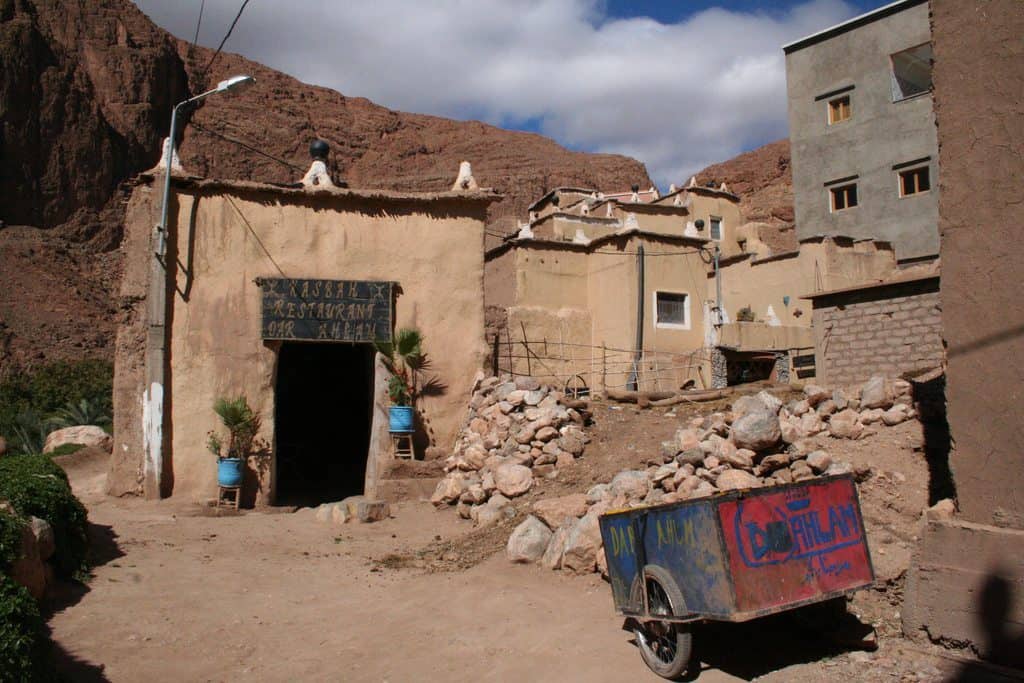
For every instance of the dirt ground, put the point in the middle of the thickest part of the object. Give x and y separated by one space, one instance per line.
181 594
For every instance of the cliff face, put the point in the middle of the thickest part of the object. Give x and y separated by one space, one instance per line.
762 178
86 90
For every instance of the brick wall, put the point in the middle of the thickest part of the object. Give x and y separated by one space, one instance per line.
889 330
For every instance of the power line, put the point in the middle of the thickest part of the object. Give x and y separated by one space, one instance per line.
226 36
199 21
245 146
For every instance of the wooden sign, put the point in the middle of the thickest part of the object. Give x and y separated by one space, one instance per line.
326 310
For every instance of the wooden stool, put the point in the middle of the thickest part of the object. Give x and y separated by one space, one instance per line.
229 496
401 443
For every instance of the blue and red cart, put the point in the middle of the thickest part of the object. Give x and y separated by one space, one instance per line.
733 557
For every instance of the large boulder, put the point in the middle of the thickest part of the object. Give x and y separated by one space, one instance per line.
529 541
757 431
29 569
876 393
84 435
745 405
449 489
556 512
552 558
845 424
583 543
770 401
513 480
737 479
815 394
632 484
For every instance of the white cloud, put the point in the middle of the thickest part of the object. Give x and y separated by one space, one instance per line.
676 96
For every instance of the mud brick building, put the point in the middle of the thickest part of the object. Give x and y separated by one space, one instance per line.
892 328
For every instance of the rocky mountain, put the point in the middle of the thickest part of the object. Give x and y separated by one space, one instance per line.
86 90
763 180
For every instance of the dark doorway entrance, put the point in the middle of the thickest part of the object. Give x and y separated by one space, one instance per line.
323 409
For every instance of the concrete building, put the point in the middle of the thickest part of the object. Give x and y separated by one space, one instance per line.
966 584
862 130
278 294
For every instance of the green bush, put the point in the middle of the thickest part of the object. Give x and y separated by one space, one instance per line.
51 389
10 539
24 645
36 486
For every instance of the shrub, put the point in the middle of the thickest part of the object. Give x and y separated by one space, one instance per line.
34 485
745 315
24 645
51 388
10 539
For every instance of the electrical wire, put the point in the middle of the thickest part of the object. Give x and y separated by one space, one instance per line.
216 134
226 36
199 21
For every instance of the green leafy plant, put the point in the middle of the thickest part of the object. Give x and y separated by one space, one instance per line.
242 423
84 412
11 527
47 389
24 645
36 486
29 432
745 315
404 359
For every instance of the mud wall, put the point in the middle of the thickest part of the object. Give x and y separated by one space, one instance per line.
227 236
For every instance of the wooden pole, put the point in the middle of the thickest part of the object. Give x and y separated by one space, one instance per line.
495 350
511 370
604 368
526 345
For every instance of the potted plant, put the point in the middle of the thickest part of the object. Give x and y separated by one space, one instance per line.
243 424
404 358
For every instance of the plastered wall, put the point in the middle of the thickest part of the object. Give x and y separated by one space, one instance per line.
227 236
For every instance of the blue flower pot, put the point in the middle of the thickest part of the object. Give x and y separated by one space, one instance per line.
400 419
229 471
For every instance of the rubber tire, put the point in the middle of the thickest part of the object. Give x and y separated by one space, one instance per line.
683 637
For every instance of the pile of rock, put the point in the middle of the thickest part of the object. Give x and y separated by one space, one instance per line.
760 442
516 430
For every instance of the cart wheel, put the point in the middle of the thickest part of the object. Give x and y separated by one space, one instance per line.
665 646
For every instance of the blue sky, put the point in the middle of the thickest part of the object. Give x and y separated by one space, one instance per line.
677 85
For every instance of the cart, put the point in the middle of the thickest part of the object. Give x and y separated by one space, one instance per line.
733 557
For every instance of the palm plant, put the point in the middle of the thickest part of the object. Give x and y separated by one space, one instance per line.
85 412
404 359
30 432
242 423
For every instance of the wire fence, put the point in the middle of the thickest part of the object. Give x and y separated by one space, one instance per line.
587 368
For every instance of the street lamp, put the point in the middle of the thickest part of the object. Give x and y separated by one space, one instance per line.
156 344
228 84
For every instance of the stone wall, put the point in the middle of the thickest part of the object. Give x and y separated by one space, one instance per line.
890 329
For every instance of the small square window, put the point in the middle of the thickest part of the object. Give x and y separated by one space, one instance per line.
716 228
843 197
672 309
914 181
911 72
839 109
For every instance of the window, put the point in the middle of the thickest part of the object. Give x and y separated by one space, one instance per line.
716 228
839 109
911 72
672 309
843 196
914 181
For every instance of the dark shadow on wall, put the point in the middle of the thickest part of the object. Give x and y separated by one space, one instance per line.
1003 649
930 397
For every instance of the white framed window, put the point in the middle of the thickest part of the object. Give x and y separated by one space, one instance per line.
911 72
715 231
672 310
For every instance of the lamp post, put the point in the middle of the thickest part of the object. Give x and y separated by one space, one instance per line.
233 83
156 334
